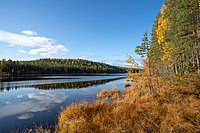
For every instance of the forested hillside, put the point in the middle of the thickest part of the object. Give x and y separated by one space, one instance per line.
56 66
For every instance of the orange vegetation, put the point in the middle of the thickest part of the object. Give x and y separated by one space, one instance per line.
168 107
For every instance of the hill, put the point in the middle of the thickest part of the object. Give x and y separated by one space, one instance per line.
56 66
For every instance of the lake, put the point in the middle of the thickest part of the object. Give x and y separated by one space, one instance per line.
32 102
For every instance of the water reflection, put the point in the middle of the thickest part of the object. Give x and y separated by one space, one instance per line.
9 78
72 85
69 85
33 77
36 102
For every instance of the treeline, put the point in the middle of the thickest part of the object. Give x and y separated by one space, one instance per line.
56 66
175 39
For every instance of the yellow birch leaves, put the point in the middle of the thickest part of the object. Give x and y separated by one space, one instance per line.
162 27
161 32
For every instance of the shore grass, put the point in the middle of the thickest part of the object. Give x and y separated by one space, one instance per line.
168 107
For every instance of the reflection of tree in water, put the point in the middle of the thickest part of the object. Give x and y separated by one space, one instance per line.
70 85
73 85
33 77
2 88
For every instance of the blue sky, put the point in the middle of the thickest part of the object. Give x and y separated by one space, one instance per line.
98 30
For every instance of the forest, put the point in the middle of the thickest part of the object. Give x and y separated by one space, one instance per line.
175 39
174 47
56 66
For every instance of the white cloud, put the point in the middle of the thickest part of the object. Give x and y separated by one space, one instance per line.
39 45
10 45
49 51
30 33
22 51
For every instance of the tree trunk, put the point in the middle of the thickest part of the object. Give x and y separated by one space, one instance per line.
193 60
176 69
198 65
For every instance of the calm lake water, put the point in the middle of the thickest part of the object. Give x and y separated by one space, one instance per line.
31 102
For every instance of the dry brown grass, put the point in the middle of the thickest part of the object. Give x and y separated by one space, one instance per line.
169 107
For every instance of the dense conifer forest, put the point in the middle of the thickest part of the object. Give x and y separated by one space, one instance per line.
175 39
56 66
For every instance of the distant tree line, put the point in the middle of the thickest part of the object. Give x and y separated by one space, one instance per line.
56 66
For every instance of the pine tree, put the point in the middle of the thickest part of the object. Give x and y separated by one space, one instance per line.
143 51
144 48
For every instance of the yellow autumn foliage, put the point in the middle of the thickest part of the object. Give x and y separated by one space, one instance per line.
162 27
161 32
167 52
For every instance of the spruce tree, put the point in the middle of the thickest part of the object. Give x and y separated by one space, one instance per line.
144 48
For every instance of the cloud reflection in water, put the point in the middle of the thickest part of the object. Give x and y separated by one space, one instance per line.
36 102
